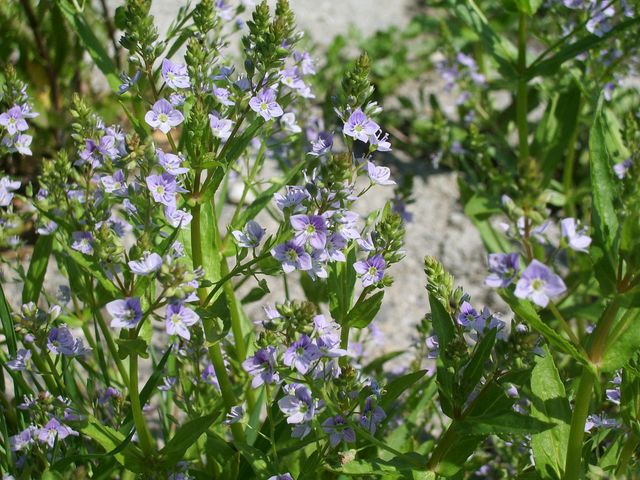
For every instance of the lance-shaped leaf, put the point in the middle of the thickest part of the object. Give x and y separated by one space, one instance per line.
499 47
525 310
8 329
571 51
185 437
37 269
365 310
623 342
549 404
605 149
92 45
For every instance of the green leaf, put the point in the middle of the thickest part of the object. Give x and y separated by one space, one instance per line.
185 437
129 346
51 475
115 444
267 196
255 458
396 467
211 257
94 270
504 423
558 123
92 45
629 235
140 129
443 324
240 143
524 309
605 148
445 331
37 269
623 343
315 290
528 7
256 293
399 385
549 404
569 52
499 47
8 329
149 388
456 456
341 284
377 364
476 366
479 209
365 310
219 312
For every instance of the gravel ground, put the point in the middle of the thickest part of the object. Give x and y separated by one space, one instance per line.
439 227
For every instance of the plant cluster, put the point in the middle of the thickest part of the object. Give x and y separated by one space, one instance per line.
146 363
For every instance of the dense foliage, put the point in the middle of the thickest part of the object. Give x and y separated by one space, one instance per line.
149 362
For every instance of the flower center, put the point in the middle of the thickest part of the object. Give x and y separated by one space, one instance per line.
373 271
163 118
264 106
292 255
537 284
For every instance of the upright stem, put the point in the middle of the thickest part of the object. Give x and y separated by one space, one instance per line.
136 409
573 465
573 468
48 378
628 450
565 326
106 333
215 353
236 328
567 174
521 101
344 336
444 444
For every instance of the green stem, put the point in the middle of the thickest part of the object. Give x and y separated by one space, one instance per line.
228 397
272 427
111 345
136 409
573 466
235 311
628 450
48 378
444 444
565 326
54 372
521 101
344 336
215 353
601 332
236 270
567 174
